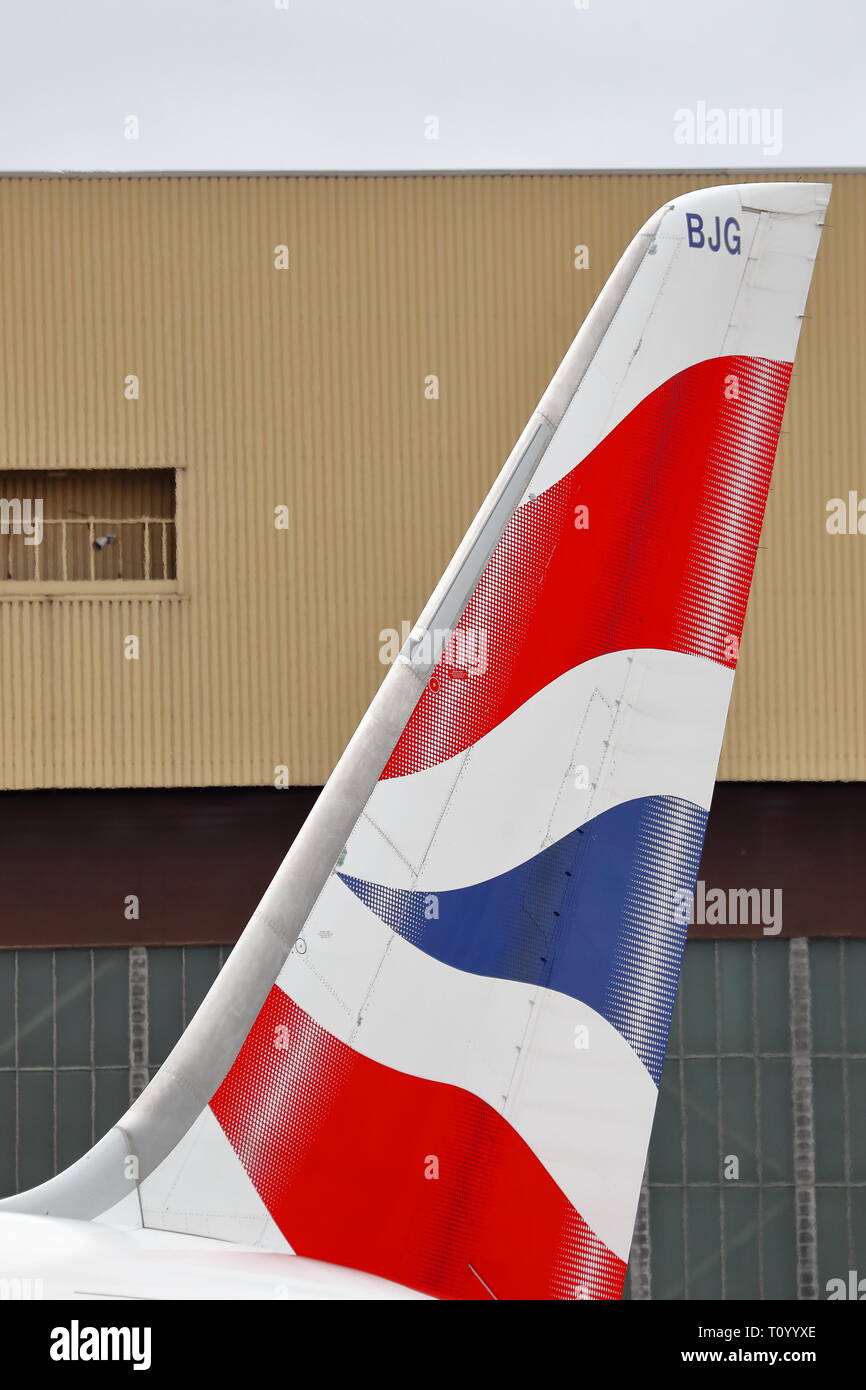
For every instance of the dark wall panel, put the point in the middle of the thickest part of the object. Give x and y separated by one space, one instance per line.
198 862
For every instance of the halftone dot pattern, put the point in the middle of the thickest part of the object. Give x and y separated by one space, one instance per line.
577 1256
345 1164
650 937
282 1066
594 916
675 497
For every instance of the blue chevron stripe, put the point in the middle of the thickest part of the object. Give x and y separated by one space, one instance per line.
594 916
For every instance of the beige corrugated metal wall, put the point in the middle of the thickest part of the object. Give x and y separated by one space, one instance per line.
305 387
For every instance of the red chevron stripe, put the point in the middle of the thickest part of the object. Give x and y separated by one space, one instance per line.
675 498
340 1147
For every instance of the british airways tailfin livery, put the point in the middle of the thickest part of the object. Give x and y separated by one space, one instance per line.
430 1064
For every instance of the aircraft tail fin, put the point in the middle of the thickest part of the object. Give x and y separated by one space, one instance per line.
434 1053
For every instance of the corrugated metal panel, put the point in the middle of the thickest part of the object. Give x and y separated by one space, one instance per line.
305 387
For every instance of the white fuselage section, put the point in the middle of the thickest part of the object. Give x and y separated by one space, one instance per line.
54 1258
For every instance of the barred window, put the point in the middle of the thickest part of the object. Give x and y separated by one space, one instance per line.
88 524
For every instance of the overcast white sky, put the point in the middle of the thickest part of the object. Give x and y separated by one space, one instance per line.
350 84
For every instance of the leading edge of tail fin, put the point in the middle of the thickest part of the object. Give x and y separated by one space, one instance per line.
434 1052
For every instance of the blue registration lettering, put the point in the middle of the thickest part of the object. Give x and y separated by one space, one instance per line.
727 235
695 227
732 236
